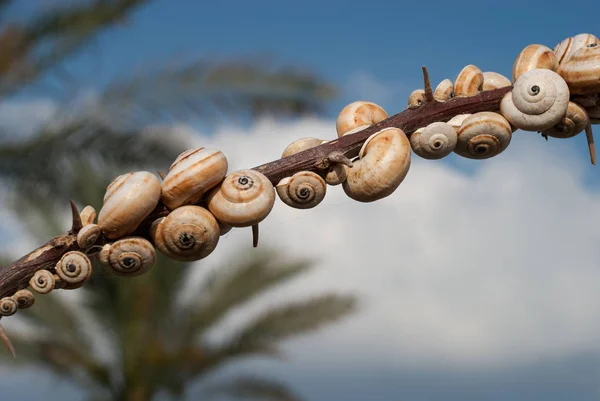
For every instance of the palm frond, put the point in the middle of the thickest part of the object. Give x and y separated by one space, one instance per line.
251 388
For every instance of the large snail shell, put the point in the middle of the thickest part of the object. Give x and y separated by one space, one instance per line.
469 82
384 161
243 199
532 57
573 122
435 141
88 235
191 175
416 98
301 145
493 80
42 282
483 135
24 298
128 200
8 306
188 233
444 91
303 190
74 268
131 256
565 49
538 100
358 113
582 71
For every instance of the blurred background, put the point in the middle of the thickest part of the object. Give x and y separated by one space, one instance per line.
474 280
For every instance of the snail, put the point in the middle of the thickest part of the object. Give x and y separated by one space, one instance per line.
8 306
24 299
300 145
42 282
87 215
357 114
191 175
573 122
469 82
532 57
565 49
483 135
416 98
538 100
88 235
130 256
493 80
434 141
384 161
128 200
303 190
444 91
188 233
243 199
582 71
74 268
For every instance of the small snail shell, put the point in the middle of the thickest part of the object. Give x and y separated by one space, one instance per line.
565 49
493 80
582 71
434 141
358 113
416 98
130 256
572 123
243 199
469 82
336 174
24 298
88 235
88 215
444 91
188 233
42 282
303 190
532 57
301 145
128 200
483 135
8 306
74 268
538 100
191 175
384 161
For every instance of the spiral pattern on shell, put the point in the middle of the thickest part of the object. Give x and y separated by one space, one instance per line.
8 306
74 268
188 233
483 135
130 256
243 199
359 113
435 141
532 57
303 190
469 82
538 100
573 122
42 282
24 299
582 71
88 235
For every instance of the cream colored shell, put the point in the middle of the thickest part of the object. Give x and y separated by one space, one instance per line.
336 174
457 120
565 49
538 100
358 113
74 268
469 82
444 91
301 145
243 199
128 200
435 141
130 256
188 233
88 235
24 299
582 71
416 98
384 161
532 57
493 80
303 190
573 122
88 215
191 175
8 306
483 135
42 282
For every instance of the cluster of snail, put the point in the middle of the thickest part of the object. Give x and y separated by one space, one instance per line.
554 92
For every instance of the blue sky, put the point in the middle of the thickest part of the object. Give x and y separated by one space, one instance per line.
529 336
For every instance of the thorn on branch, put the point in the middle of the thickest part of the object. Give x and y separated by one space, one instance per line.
590 139
7 342
427 83
255 235
77 225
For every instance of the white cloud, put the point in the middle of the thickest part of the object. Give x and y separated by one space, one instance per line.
19 119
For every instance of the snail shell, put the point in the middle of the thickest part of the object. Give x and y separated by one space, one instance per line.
188 233
88 235
457 120
416 98
594 114
565 49
74 268
42 282
483 135
303 190
435 141
444 91
384 161
582 71
24 298
493 80
573 122
8 306
129 199
469 82
191 175
243 199
131 256
532 57
357 114
336 174
538 100
301 145
88 215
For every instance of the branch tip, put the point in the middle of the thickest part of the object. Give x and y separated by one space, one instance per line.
427 85
7 342
77 224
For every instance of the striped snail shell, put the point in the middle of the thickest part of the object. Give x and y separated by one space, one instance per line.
469 82
573 122
532 57
8 306
434 141
565 49
130 256
444 91
582 71
483 135
303 190
357 114
74 268
42 282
